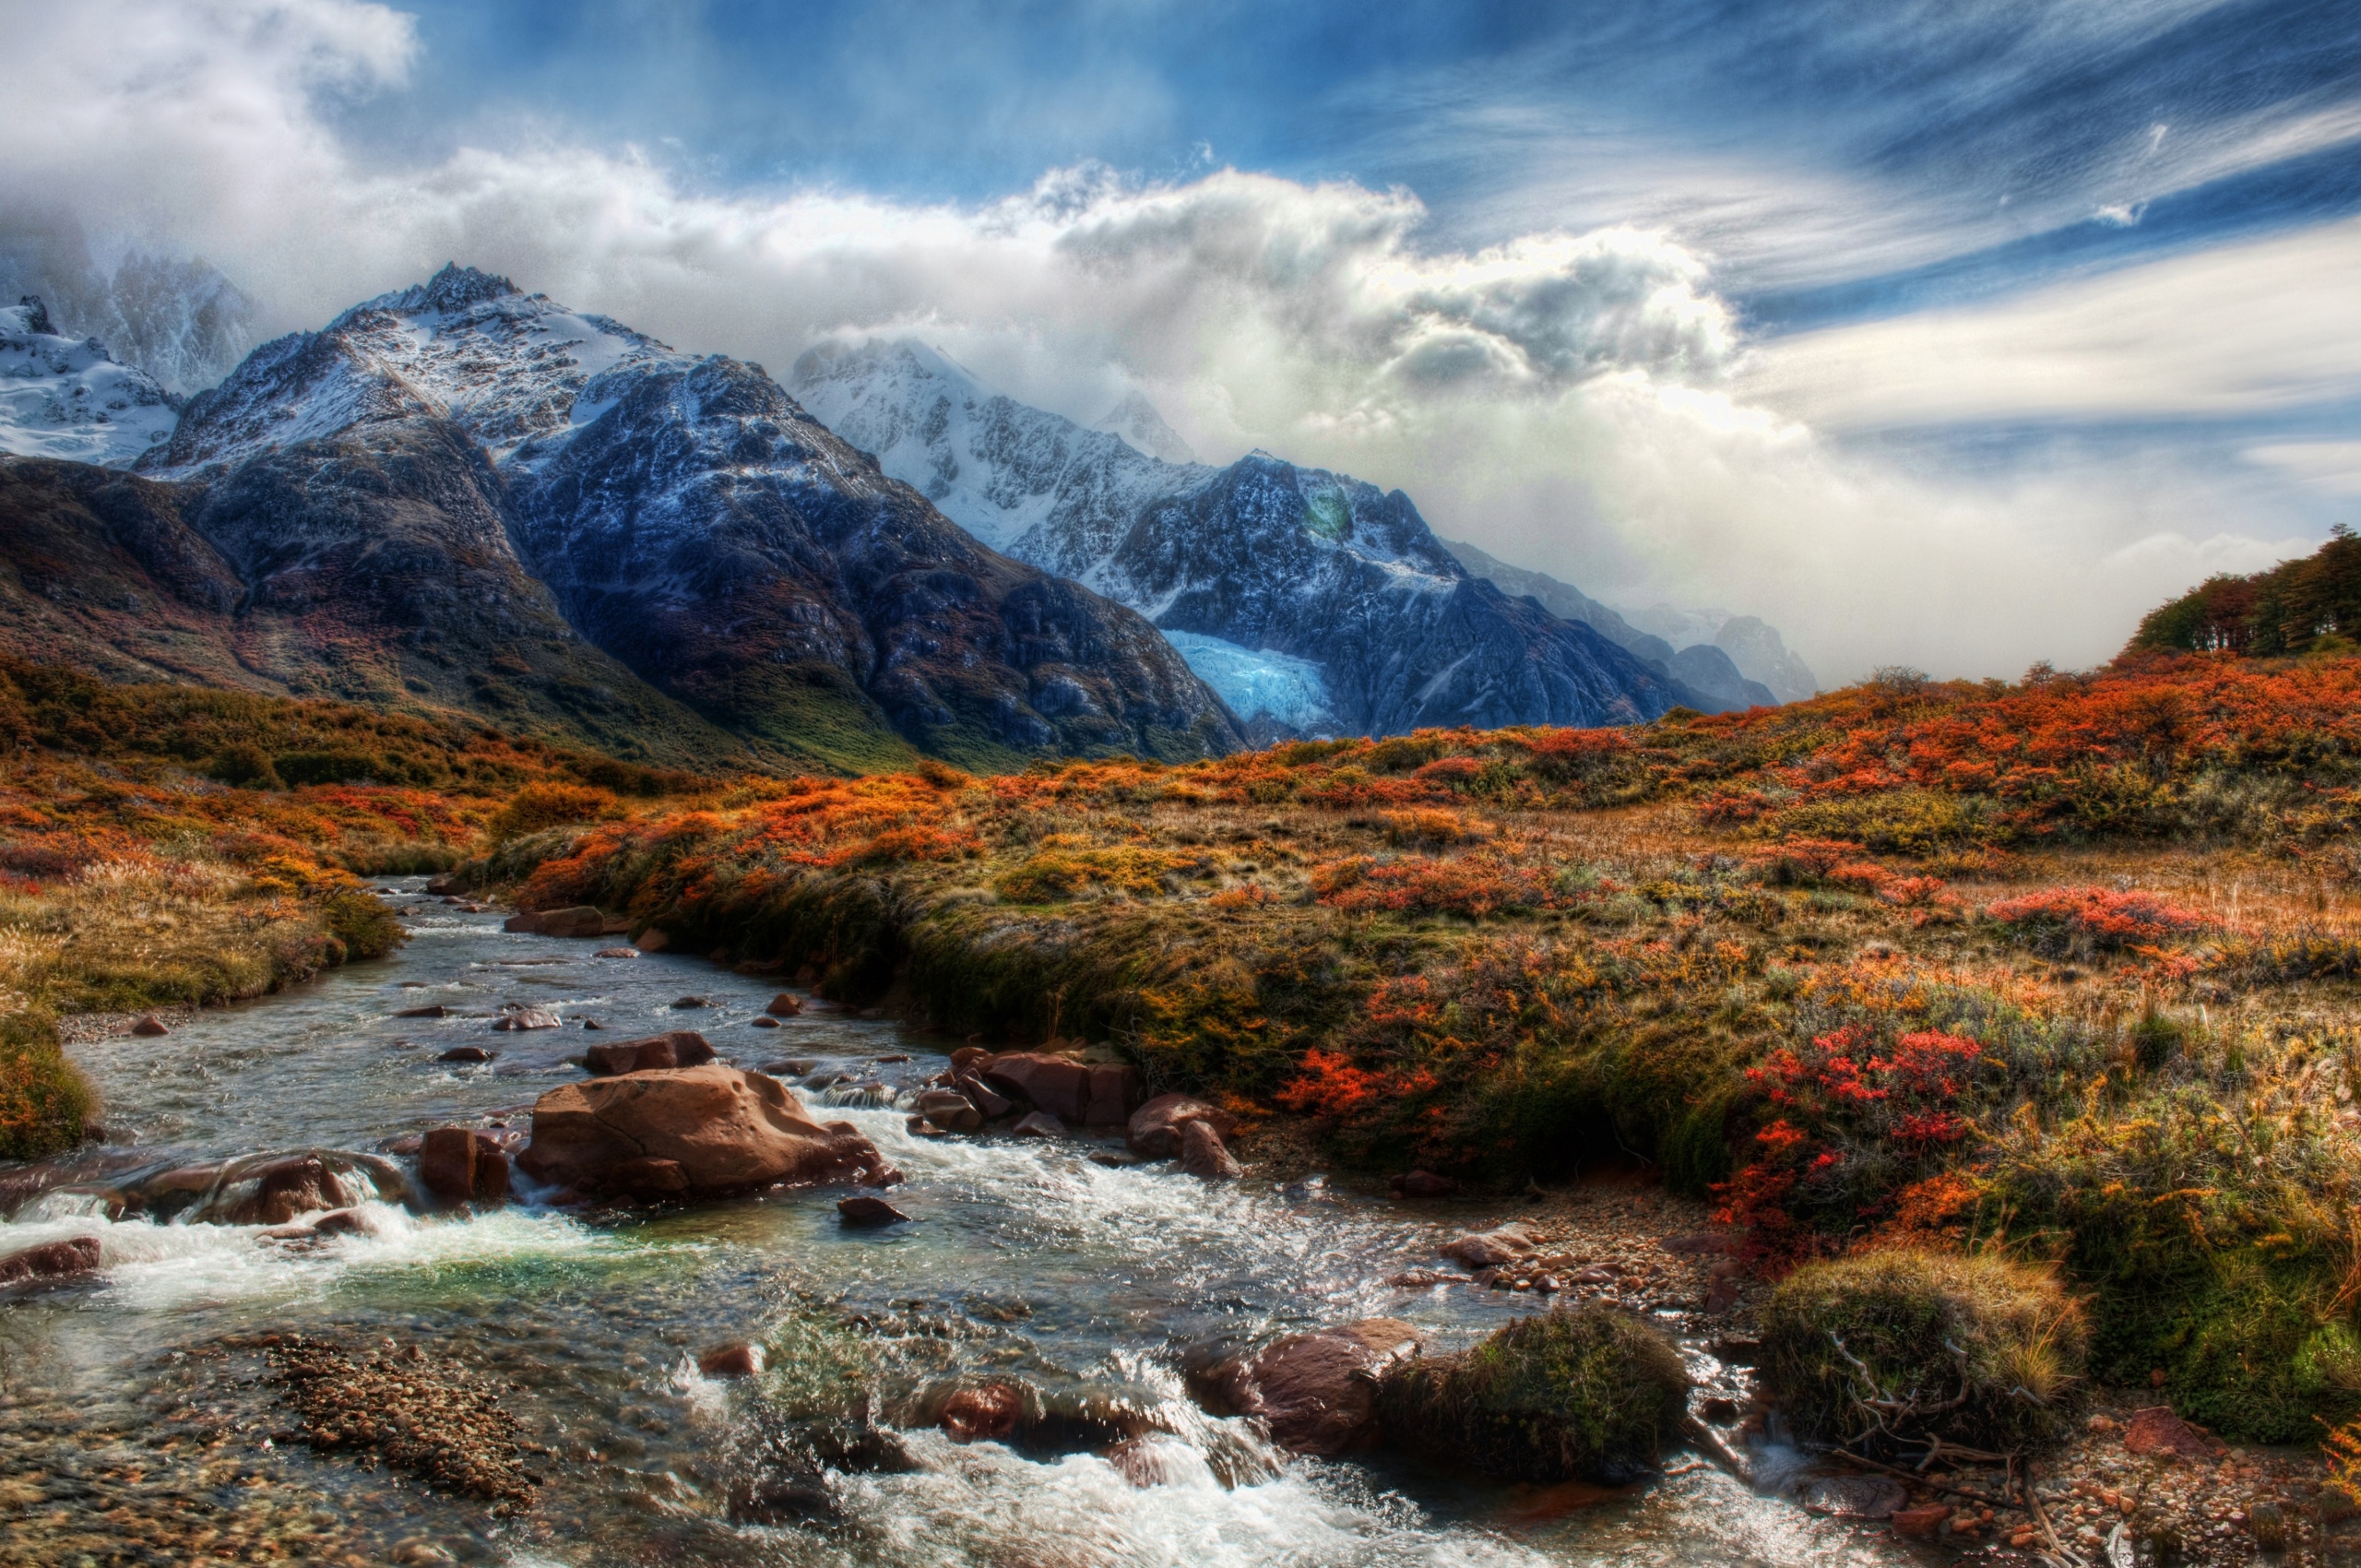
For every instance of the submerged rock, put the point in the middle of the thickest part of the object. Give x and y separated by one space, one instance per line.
1856 1497
428 1414
1593 1394
867 1211
285 1188
701 1130
983 1412
528 1018
51 1260
736 1359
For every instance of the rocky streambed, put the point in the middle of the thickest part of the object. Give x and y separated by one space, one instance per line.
316 1301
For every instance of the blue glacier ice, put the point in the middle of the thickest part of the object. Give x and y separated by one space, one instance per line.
1256 682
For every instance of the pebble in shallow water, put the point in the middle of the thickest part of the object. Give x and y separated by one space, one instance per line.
432 1417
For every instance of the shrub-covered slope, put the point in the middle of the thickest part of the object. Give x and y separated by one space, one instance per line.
2063 966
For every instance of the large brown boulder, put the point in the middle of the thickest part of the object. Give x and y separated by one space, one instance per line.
460 1165
1317 1392
677 1047
285 1188
1155 1128
696 1131
1490 1249
1101 1096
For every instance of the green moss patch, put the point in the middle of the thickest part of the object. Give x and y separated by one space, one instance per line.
1594 1393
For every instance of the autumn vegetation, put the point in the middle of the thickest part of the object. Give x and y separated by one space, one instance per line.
2056 971
2048 984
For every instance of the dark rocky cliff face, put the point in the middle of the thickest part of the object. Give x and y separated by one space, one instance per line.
371 568
1303 562
718 539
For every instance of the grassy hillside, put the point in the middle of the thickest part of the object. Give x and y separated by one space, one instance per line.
103 571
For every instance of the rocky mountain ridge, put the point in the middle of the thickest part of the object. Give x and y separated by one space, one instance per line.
1739 650
1314 602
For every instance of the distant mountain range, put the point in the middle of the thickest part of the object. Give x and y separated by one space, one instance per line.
1312 601
462 497
1743 651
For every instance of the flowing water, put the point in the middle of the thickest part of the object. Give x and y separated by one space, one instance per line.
135 1425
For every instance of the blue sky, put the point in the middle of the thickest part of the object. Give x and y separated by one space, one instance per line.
2017 137
1944 333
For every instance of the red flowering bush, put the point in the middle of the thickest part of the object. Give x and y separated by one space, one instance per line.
1478 884
1855 1122
2062 920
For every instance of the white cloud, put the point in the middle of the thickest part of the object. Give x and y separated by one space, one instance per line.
2333 467
1565 399
2242 329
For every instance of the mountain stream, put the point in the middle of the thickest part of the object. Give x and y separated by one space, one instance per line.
137 1424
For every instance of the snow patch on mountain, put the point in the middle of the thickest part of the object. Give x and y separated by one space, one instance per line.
177 318
68 398
1261 556
517 371
1260 683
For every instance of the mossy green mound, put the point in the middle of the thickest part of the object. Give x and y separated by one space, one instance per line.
1903 1346
1559 1396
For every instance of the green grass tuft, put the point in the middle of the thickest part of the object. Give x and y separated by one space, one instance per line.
1902 1346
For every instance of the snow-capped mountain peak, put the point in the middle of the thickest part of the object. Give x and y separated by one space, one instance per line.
1002 470
516 370
63 398
1136 421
